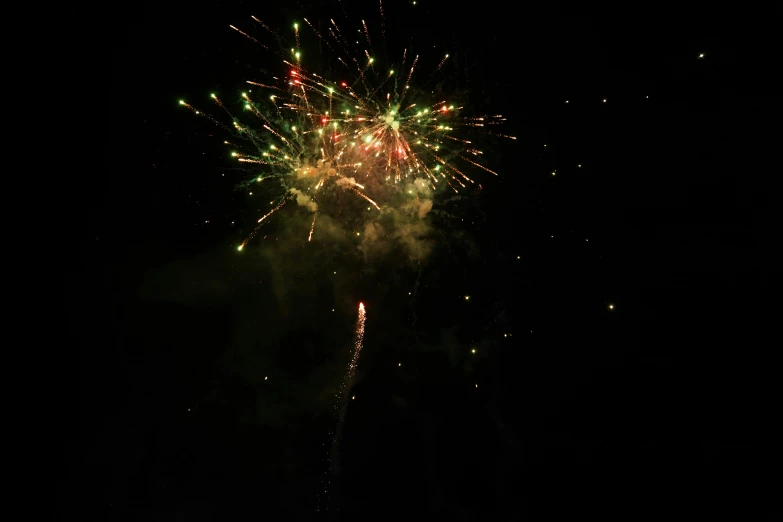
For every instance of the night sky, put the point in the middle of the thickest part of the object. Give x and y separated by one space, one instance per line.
614 357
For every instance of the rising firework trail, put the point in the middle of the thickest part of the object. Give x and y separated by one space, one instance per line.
340 407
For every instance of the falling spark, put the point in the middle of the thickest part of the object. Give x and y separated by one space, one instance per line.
271 211
373 203
261 223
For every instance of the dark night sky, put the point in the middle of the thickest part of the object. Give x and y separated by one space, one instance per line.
660 405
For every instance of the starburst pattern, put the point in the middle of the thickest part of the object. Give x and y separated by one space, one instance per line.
364 129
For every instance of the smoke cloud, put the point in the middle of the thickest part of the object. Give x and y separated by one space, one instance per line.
321 169
345 182
303 200
406 228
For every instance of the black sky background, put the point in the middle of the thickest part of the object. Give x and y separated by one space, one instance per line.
662 405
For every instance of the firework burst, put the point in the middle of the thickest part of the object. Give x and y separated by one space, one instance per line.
364 130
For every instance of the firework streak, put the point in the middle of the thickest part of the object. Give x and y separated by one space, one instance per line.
342 405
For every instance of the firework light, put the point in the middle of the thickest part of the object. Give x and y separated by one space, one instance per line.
365 130
341 404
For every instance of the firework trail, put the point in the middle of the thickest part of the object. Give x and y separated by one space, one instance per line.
345 387
312 227
341 405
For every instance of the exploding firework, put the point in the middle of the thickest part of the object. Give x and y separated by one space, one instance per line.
367 130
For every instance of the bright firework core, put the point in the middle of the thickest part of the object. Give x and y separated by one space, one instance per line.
391 121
